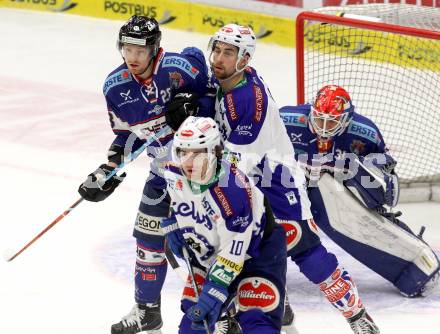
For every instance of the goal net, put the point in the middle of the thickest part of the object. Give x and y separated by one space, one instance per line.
387 56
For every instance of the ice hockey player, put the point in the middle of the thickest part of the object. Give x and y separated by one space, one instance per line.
257 141
237 247
145 95
330 137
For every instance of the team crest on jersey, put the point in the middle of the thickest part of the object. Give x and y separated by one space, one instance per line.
293 232
257 292
176 80
357 147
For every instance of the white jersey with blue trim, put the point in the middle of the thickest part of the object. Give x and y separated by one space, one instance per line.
252 130
222 222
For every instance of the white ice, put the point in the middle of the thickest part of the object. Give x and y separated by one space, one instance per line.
54 131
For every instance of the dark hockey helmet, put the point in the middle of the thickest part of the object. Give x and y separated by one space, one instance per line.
140 30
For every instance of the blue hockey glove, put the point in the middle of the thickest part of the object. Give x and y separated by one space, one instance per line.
173 235
209 306
385 164
392 190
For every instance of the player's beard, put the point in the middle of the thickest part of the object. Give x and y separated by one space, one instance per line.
221 73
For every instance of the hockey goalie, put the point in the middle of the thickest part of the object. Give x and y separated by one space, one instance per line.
353 187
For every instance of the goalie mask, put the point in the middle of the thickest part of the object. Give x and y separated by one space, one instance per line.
331 112
195 147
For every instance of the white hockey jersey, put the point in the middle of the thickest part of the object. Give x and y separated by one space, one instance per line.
222 222
254 133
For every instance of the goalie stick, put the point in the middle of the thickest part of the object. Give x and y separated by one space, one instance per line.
130 158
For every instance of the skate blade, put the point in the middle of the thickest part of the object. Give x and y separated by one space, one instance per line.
154 331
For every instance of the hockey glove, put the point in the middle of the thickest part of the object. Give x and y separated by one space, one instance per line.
182 106
382 165
208 306
96 188
173 235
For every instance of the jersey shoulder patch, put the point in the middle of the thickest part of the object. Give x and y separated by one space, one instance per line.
248 101
363 127
295 115
176 61
118 77
232 192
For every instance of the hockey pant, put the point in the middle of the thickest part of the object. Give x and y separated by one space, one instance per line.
390 250
259 289
151 264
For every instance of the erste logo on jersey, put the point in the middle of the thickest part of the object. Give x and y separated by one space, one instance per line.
257 292
364 131
182 63
294 119
116 79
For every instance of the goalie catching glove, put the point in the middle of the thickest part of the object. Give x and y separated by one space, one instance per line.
182 106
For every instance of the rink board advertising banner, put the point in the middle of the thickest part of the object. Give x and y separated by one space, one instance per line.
173 14
197 17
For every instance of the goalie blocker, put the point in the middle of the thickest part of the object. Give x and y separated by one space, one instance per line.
380 241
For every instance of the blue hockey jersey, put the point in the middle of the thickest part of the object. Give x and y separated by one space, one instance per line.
361 137
136 107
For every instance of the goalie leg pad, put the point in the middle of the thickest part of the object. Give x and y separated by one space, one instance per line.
384 247
150 273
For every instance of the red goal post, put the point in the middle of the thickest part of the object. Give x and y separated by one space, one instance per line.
387 56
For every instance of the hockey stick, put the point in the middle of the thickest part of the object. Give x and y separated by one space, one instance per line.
372 174
174 264
194 283
130 158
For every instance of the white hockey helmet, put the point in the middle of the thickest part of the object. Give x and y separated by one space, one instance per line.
197 133
240 36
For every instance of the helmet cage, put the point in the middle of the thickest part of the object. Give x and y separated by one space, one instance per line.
340 123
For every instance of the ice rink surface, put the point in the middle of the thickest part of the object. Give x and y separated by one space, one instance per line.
54 131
